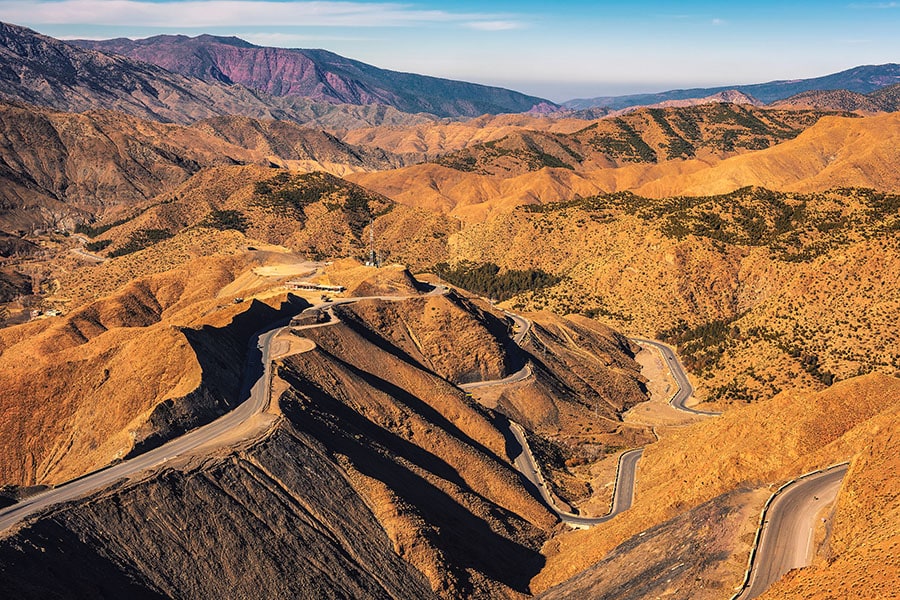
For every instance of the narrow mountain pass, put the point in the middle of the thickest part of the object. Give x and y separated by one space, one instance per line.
526 464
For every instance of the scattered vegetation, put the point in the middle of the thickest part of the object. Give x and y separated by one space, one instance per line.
95 230
98 245
532 154
226 219
140 239
701 347
487 280
624 143
292 193
795 227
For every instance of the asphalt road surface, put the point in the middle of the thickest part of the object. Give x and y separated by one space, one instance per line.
257 394
256 391
622 496
526 465
685 389
787 540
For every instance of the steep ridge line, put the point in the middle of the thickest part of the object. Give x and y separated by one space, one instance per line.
776 556
257 400
623 493
258 394
259 397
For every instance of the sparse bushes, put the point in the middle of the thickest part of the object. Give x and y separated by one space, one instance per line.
95 230
293 193
98 245
487 280
226 219
140 239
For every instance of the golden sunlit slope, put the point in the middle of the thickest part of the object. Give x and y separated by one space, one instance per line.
760 290
372 456
78 390
430 139
315 213
470 196
64 168
645 135
759 445
862 560
834 152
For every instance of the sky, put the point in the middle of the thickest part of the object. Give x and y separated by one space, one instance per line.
556 50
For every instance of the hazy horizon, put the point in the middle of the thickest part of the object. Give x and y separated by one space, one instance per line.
574 50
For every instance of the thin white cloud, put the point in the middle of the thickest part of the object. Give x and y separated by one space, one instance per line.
494 25
878 5
718 22
226 13
291 40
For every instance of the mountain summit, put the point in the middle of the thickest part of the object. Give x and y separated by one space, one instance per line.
316 74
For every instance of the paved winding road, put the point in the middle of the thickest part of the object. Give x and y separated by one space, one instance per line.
256 391
525 463
787 540
685 389
787 537
622 496
257 394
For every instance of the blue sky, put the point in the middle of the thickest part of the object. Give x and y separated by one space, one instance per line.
558 50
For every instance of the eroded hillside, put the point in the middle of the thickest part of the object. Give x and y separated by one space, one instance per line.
761 291
146 363
701 488
420 469
834 152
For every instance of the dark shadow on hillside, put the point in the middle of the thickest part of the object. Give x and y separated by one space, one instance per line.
360 327
416 405
467 541
229 363
513 450
63 565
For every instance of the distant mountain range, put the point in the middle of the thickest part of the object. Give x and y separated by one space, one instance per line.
883 100
179 79
862 80
47 72
315 74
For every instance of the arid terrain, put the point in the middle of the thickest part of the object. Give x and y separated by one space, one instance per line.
370 342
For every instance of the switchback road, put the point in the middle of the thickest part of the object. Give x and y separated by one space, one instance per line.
526 465
685 389
622 496
256 391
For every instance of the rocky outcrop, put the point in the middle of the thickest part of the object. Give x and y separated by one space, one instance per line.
59 169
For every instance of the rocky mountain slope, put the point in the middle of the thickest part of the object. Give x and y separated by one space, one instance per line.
863 79
315 74
886 99
716 475
404 465
643 136
834 152
60 169
739 281
46 72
